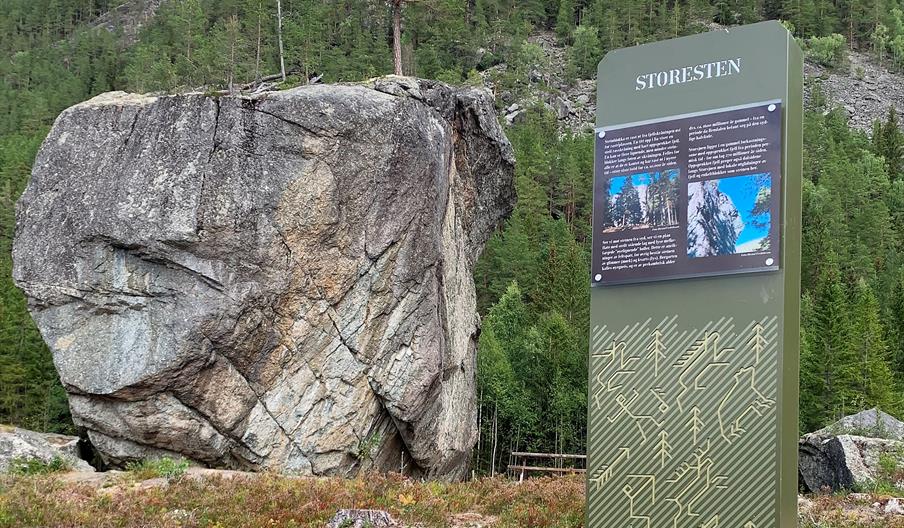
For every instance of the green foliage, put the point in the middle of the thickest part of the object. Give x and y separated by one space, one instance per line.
851 343
367 447
35 466
888 142
828 51
584 55
165 467
565 20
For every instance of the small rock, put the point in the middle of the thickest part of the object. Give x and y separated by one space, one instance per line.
894 507
513 108
583 99
361 518
180 515
516 117
562 108
472 520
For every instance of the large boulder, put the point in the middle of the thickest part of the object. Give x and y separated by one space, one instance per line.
20 445
847 454
279 282
872 423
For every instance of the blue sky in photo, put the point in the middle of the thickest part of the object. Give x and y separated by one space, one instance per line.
641 178
743 190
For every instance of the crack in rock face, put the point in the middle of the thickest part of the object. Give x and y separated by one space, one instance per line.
276 282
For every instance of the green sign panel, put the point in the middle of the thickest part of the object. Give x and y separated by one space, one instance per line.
695 279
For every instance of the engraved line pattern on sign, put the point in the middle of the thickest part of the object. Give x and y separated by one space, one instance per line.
605 473
656 351
712 523
682 424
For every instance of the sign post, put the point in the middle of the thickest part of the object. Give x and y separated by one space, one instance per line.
695 275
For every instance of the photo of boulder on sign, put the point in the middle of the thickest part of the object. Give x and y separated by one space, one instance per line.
729 216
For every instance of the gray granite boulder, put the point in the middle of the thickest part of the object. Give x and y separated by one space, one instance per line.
846 455
279 282
871 423
19 445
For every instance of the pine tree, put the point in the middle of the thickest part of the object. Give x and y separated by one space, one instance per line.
813 413
627 210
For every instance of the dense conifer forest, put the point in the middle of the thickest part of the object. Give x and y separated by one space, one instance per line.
532 280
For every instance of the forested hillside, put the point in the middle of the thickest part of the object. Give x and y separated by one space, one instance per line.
532 280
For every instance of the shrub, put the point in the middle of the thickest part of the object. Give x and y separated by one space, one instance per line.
367 447
828 51
37 466
584 55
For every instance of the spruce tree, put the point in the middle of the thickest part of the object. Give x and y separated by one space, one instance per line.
895 327
565 21
891 144
832 348
874 384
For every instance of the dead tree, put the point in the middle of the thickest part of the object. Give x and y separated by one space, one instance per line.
397 35
282 60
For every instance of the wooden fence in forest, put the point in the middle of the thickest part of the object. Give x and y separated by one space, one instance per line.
522 463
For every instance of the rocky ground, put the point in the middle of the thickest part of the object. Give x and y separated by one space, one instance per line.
574 104
863 87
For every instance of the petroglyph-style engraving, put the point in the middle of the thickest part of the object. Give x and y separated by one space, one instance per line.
744 388
757 342
712 523
695 423
701 358
663 448
673 408
656 351
640 420
605 473
635 493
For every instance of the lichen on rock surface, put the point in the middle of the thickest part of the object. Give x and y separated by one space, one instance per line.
269 282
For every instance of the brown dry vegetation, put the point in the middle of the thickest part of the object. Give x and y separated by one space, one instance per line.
230 499
857 510
270 500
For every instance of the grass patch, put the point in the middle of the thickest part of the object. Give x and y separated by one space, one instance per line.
268 500
165 467
24 466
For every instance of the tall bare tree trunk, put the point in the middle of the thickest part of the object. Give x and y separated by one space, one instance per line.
479 428
397 36
495 438
282 60
257 58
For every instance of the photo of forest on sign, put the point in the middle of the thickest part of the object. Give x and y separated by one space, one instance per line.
643 200
729 216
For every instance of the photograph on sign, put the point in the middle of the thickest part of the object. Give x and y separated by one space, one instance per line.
688 196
